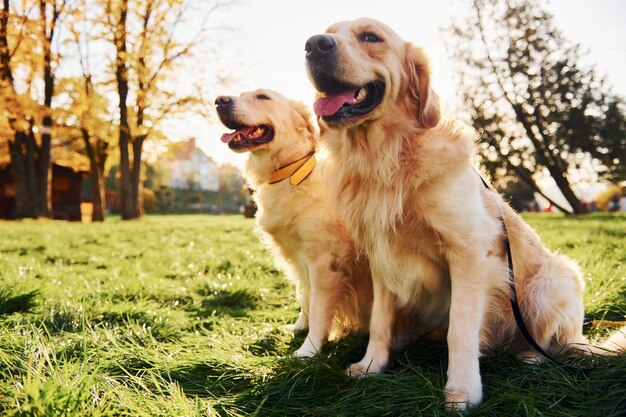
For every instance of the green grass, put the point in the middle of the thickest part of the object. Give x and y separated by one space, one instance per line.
187 316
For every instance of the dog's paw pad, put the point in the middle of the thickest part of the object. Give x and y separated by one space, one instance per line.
305 353
359 370
356 370
460 400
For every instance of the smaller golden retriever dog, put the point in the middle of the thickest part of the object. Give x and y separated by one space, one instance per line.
298 224
404 183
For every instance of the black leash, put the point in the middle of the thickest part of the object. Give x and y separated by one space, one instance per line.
517 311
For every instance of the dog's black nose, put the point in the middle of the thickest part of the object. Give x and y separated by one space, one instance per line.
319 46
223 101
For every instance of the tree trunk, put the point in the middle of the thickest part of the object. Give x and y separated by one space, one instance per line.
121 75
97 159
562 182
125 177
99 207
44 186
533 185
102 158
137 186
23 180
552 162
28 177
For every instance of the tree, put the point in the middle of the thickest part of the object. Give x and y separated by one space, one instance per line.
28 126
148 51
89 110
539 110
85 117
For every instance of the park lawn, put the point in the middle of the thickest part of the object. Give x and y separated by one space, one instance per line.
187 316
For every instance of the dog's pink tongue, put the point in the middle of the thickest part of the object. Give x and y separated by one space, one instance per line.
227 137
329 105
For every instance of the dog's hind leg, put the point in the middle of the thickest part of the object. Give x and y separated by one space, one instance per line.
553 308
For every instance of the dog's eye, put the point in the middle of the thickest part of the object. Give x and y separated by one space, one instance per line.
262 97
370 37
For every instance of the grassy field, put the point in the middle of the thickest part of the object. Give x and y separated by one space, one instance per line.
187 316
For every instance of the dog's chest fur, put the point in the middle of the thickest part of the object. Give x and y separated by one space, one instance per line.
386 198
407 255
405 252
278 212
293 216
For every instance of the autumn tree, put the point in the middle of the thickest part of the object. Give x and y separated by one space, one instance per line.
150 46
539 109
88 114
28 32
84 117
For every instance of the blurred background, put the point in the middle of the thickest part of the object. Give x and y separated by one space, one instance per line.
106 106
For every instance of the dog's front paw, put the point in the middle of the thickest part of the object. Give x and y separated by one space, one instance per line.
462 399
360 369
308 348
356 370
305 352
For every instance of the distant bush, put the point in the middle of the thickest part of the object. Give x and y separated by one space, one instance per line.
166 199
149 200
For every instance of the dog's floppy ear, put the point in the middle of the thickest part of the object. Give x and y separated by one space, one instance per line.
418 70
301 117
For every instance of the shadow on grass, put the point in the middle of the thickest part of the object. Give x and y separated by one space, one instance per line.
23 251
320 386
414 386
58 321
224 302
131 363
10 302
158 325
64 260
211 379
270 345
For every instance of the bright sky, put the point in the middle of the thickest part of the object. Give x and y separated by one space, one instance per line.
265 47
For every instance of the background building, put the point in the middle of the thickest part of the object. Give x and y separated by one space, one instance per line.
192 169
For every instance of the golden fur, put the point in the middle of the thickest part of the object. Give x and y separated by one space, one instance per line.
403 180
300 227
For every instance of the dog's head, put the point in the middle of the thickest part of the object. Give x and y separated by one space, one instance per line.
364 71
264 119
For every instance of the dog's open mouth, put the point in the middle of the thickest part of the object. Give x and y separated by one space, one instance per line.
247 136
346 102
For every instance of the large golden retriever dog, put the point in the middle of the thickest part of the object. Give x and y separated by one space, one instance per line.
300 227
404 183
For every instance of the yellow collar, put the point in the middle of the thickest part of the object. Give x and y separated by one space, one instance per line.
297 171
